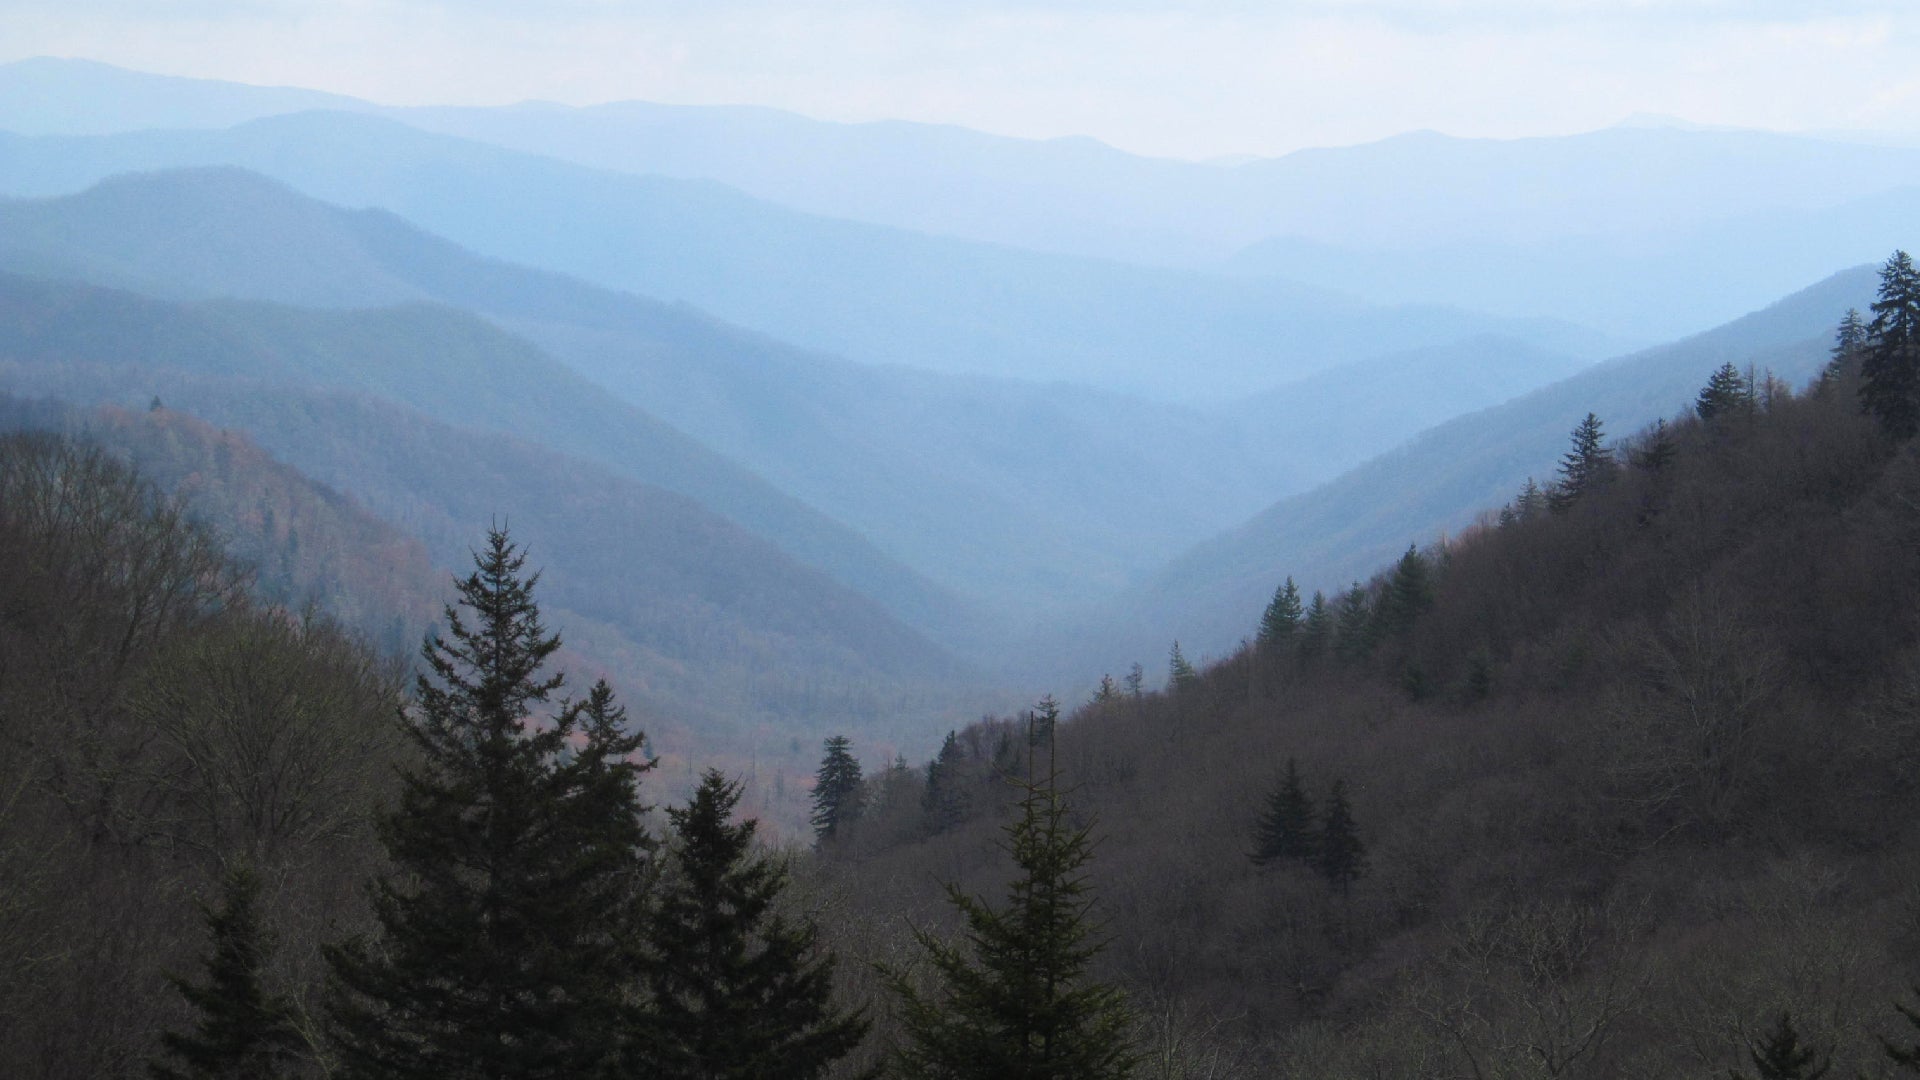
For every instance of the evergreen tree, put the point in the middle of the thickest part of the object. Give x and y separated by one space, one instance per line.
1890 363
242 1031
1906 1057
836 791
1656 451
1586 467
1342 858
737 990
1107 692
1136 681
1727 393
1531 501
1849 344
1281 621
1286 828
1409 593
497 950
945 802
1780 1056
1316 630
1355 627
1181 675
1014 1000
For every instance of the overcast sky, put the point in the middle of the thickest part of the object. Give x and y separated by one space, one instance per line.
1190 80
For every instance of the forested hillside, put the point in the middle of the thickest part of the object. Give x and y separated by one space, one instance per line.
1601 787
1440 480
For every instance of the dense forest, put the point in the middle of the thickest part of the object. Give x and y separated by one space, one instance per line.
1617 783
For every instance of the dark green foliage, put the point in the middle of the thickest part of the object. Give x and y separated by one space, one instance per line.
1780 1056
1656 450
1890 362
1907 1056
1727 393
738 990
1286 827
1281 620
1316 630
1107 692
1181 674
1342 858
1585 468
1014 1000
1356 628
1136 681
242 1031
836 791
1409 594
945 802
1532 500
1850 340
500 949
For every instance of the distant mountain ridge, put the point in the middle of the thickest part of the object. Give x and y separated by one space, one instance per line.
1019 495
867 292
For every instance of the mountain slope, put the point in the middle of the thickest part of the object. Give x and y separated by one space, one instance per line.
866 292
459 370
1442 480
935 469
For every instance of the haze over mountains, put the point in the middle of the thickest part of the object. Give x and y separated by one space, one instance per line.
867 418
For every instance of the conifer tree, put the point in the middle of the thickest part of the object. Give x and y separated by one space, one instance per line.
1409 593
1890 363
1014 1000
1281 621
1107 692
1181 674
1780 1056
945 802
1726 393
1355 628
1316 630
1286 827
1656 451
1849 343
1136 681
242 1032
496 951
1342 858
737 991
836 791
1584 468
1531 501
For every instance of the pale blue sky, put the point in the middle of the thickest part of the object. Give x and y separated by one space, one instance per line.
1192 80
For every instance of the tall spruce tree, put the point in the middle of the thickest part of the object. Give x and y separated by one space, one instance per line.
242 1031
1586 467
737 990
836 791
1355 626
1781 1056
1181 674
496 950
1316 629
1409 593
1281 621
1849 344
1341 858
945 801
1014 999
1286 827
1727 393
1890 361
